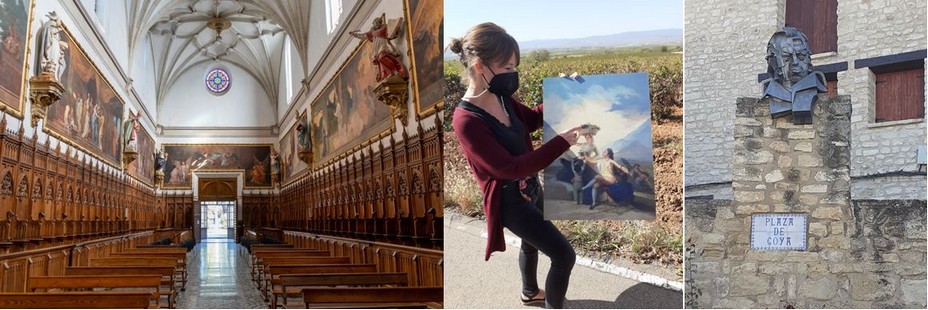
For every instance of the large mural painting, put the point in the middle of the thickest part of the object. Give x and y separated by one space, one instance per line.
347 113
184 159
15 27
89 114
426 33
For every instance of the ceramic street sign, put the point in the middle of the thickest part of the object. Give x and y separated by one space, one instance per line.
779 231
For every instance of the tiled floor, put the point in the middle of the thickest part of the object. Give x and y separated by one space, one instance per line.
218 278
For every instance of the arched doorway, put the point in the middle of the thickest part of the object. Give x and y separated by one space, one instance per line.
217 205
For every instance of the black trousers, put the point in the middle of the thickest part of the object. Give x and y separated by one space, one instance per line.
526 220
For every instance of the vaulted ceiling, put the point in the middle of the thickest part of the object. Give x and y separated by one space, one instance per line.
248 34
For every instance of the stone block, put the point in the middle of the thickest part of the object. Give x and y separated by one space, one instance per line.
748 285
744 268
722 286
837 228
779 146
749 196
780 268
831 213
751 209
832 255
809 161
803 147
725 213
822 289
834 242
814 188
714 239
784 161
818 229
801 256
801 134
870 286
913 293
774 176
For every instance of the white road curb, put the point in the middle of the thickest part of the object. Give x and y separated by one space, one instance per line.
604 267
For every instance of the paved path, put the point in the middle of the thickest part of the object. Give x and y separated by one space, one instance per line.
219 278
471 282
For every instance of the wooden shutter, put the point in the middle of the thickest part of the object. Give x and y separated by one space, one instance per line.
900 95
818 19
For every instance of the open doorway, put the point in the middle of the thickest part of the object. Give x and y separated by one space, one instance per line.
218 219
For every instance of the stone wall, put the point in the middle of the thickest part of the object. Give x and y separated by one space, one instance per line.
860 254
725 46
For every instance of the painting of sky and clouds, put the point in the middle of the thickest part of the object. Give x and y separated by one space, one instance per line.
614 110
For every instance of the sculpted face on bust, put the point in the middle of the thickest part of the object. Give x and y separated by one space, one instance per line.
788 56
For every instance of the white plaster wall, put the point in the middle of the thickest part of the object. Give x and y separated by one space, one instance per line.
725 45
190 104
296 78
143 77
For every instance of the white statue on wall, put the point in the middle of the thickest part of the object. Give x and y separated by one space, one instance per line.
52 48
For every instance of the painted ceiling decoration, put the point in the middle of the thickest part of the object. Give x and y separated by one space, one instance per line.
244 34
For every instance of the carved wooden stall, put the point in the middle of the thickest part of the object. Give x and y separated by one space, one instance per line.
15 268
176 210
49 198
389 192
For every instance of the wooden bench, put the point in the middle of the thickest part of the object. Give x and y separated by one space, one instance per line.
165 272
276 270
180 256
150 283
373 297
264 278
291 284
142 262
257 255
71 300
159 250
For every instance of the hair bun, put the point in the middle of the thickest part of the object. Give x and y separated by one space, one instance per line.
457 46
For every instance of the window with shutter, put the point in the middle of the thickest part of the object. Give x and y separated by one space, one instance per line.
900 94
818 20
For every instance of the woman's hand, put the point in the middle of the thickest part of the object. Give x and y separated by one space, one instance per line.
571 135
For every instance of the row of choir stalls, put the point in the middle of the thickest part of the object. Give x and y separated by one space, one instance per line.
385 192
174 210
51 197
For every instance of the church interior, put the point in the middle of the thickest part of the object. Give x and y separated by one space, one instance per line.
221 154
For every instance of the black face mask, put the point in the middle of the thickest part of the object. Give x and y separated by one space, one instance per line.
503 84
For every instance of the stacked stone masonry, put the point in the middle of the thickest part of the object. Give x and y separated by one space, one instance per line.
860 254
725 44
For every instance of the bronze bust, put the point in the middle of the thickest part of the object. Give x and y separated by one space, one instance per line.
793 86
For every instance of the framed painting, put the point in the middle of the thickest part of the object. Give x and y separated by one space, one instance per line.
290 164
184 159
346 113
609 173
426 34
143 168
90 113
15 37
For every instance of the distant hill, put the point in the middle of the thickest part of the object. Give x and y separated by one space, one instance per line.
673 36
625 39
637 145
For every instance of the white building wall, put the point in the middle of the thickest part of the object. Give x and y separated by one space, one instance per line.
192 105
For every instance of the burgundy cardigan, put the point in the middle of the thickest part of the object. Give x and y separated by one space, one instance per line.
492 164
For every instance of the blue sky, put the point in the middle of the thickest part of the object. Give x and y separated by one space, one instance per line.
562 19
617 103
